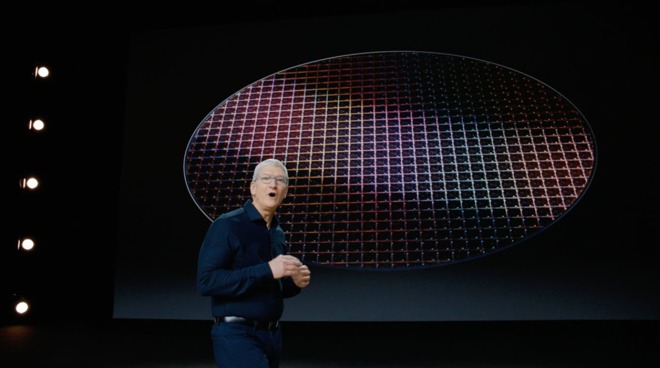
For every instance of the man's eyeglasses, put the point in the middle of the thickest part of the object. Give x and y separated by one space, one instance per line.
280 180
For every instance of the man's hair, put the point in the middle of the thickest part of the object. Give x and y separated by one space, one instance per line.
270 162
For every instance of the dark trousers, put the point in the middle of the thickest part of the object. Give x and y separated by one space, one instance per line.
237 345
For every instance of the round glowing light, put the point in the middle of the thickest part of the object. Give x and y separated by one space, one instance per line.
43 72
32 183
27 244
37 124
21 307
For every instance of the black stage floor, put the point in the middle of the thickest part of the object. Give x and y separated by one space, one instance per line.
168 343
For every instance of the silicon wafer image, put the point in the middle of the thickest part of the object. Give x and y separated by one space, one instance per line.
398 159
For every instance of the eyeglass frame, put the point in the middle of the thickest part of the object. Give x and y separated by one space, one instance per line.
278 179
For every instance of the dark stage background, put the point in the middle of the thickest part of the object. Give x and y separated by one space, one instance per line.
591 264
121 233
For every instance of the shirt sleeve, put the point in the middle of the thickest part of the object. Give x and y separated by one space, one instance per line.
289 288
215 274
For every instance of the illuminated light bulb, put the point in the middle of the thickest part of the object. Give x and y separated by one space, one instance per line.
22 307
42 72
37 124
27 244
30 183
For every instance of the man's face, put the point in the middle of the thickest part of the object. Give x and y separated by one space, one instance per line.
270 189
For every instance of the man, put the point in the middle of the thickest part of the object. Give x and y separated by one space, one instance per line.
244 267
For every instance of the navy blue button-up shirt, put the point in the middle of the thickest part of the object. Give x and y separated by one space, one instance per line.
233 269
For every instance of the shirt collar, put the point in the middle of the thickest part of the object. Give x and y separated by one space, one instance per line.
254 214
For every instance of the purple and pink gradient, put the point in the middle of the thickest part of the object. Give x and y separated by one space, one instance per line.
398 159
